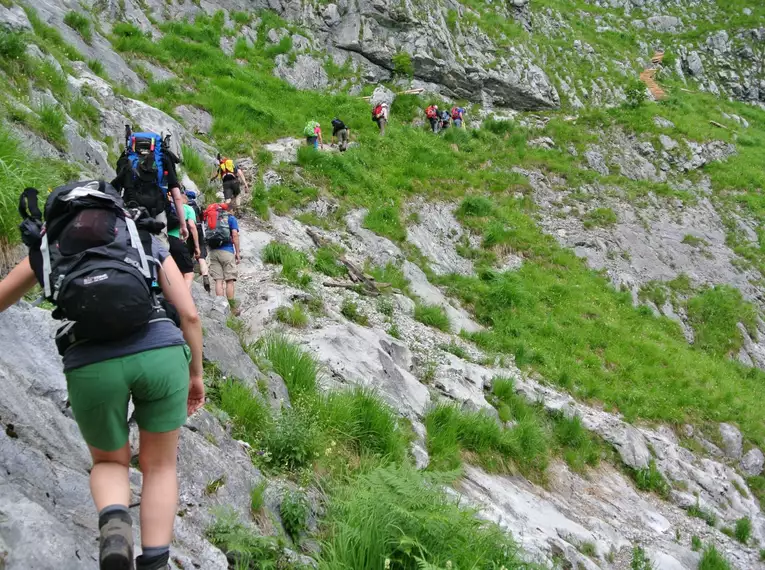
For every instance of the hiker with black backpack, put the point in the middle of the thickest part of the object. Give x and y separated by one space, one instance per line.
179 249
146 178
201 243
225 255
129 329
342 133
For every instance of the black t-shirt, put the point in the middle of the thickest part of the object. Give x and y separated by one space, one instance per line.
337 126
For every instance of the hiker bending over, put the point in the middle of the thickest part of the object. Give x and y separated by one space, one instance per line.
146 177
458 114
200 255
342 133
225 255
312 132
122 300
380 116
432 114
179 249
445 119
232 178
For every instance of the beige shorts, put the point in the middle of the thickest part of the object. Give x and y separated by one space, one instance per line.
223 265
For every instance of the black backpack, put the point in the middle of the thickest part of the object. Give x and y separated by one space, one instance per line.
141 172
94 264
338 125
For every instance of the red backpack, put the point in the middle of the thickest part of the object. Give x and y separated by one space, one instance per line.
431 112
455 113
211 214
377 112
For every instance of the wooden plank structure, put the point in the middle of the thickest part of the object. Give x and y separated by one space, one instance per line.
649 74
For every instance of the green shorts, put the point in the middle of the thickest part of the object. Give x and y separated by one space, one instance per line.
158 381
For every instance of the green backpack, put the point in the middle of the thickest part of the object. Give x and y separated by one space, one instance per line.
310 129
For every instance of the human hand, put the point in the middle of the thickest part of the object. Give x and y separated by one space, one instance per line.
196 394
184 232
197 253
238 258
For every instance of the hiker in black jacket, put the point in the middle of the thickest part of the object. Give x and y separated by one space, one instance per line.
342 133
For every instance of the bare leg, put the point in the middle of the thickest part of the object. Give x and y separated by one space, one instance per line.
189 279
219 288
229 289
159 498
109 482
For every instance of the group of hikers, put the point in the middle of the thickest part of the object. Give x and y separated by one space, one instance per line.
116 261
439 120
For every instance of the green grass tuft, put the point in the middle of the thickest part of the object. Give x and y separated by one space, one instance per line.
714 315
326 262
350 310
81 24
743 530
293 316
432 315
398 513
713 560
385 221
297 367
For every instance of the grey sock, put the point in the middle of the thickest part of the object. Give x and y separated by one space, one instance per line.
154 551
119 511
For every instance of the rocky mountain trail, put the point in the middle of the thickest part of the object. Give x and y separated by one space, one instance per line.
414 371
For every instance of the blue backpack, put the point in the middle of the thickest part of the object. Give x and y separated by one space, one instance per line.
142 172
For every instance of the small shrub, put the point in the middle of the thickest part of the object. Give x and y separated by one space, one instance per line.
696 544
392 274
475 206
385 221
257 497
96 67
651 479
298 368
713 560
51 122
694 241
85 113
432 316
293 442
293 316
385 306
762 555
350 311
275 252
402 64
588 549
249 549
636 94
455 349
743 530
81 24
707 516
294 510
600 217
13 45
362 421
394 331
326 262
640 560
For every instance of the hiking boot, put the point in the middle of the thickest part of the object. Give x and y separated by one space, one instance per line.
157 563
206 282
116 541
236 311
